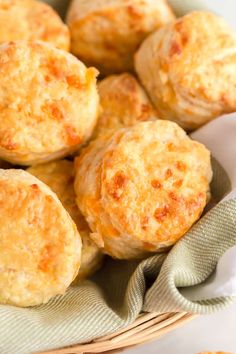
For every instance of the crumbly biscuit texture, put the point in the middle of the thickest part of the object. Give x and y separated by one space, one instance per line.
59 176
106 33
48 101
188 69
40 251
143 187
32 20
123 103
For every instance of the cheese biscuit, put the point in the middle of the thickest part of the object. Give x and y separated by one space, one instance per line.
106 33
48 100
40 251
142 188
188 69
123 103
32 20
59 176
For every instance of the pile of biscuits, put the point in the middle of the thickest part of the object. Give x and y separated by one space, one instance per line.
102 165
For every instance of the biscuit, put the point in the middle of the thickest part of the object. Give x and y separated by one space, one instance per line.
188 69
49 102
142 188
40 249
32 20
106 33
123 103
59 176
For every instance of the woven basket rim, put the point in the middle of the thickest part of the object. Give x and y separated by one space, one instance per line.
147 327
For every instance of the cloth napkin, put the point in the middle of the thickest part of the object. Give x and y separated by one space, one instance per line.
197 276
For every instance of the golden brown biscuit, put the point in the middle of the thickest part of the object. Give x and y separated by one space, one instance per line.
48 100
59 176
188 69
106 33
40 246
30 20
142 188
123 103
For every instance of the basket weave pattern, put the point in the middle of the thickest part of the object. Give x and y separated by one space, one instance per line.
146 328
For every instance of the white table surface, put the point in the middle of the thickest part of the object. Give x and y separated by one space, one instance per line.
206 333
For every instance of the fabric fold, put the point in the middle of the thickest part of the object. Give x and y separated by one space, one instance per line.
192 261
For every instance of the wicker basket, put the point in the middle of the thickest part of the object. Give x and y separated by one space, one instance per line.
146 328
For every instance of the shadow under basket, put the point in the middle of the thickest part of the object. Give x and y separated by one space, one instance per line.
146 328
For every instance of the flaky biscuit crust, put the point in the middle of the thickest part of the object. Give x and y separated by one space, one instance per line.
45 92
106 33
123 103
188 69
143 187
32 20
40 246
59 176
